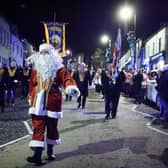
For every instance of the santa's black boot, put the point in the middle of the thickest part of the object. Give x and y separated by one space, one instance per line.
50 153
36 158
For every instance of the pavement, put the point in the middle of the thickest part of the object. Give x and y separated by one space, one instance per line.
87 139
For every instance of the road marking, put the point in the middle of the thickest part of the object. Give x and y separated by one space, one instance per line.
134 109
28 127
149 123
19 139
14 141
157 130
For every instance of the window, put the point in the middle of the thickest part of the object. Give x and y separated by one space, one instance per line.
153 48
1 35
17 49
160 43
4 40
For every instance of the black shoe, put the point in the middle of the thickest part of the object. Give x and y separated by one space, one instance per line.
107 117
113 117
33 159
36 158
51 157
78 106
50 154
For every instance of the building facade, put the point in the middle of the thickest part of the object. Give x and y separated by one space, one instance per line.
5 41
17 50
156 49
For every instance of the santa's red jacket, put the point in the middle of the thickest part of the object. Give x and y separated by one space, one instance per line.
49 102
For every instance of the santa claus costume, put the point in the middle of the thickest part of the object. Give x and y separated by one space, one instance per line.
47 78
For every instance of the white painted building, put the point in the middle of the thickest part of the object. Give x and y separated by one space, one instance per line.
5 41
17 50
156 49
125 60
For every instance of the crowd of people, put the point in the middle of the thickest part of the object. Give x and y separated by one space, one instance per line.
12 77
132 84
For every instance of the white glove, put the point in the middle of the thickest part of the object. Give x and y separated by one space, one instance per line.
15 81
72 91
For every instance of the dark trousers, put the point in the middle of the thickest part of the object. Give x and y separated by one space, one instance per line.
111 104
83 100
2 97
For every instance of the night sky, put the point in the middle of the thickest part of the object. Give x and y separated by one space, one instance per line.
87 20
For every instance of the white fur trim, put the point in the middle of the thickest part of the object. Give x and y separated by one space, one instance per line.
39 106
32 110
46 46
52 114
35 143
53 142
48 113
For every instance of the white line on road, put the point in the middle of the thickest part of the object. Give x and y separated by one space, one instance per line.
134 109
28 127
149 123
19 139
14 141
157 130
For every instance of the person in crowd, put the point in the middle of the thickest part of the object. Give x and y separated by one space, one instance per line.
25 80
83 79
137 83
163 92
128 82
45 99
112 86
144 85
2 88
11 82
97 81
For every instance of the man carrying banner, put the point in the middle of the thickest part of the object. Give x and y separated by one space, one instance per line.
112 81
45 99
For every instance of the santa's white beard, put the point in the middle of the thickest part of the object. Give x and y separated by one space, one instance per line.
47 65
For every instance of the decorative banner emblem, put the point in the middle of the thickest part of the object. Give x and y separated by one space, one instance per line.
55 35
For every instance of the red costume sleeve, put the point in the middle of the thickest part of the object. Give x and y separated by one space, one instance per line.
66 78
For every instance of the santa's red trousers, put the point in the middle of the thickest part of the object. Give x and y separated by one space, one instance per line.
42 123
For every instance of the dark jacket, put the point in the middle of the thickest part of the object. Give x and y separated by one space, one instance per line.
83 85
162 85
112 87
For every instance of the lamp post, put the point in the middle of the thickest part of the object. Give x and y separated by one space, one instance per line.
106 40
127 13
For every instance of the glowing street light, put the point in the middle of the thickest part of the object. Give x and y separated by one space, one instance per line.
126 12
105 40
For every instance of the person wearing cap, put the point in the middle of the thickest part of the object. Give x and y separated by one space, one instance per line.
48 75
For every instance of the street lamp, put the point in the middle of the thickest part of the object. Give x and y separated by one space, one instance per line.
125 14
106 40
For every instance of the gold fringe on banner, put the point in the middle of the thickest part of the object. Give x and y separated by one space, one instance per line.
46 33
63 53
